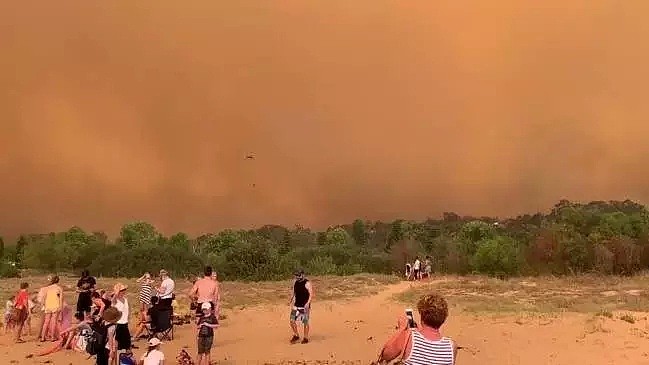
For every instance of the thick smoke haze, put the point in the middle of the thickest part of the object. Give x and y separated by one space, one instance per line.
118 110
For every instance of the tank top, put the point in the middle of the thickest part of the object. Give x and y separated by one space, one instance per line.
122 306
301 292
427 352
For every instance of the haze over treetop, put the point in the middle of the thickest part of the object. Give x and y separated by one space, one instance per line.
118 111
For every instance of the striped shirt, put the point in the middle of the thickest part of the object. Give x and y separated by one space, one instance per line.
427 352
146 292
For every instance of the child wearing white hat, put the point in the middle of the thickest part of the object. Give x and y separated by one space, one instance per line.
153 355
206 325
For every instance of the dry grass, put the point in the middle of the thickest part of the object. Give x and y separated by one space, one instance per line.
588 294
237 294
234 294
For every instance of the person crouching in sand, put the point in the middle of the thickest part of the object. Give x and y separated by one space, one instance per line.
423 344
153 355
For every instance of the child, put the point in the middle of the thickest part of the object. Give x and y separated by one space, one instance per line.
31 305
21 305
9 314
206 325
153 356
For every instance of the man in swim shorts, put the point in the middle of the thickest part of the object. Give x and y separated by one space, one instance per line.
301 306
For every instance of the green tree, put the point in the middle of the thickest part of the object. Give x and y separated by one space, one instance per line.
138 233
338 236
359 232
473 233
20 250
226 239
497 256
180 240
76 237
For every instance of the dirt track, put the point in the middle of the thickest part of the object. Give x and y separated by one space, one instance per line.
354 330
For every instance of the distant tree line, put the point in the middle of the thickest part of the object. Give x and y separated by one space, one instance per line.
597 237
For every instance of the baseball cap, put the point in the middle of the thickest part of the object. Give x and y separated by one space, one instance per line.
206 305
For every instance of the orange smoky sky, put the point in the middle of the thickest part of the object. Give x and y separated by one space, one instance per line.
112 111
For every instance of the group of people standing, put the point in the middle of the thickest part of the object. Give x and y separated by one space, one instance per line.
419 270
108 312
96 310
56 313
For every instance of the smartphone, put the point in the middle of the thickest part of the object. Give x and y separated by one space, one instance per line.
411 318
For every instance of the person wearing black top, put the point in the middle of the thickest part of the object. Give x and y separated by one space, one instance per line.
206 325
301 305
85 287
100 304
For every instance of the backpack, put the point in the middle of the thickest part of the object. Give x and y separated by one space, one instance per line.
98 338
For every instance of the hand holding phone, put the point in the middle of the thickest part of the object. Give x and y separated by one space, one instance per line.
411 318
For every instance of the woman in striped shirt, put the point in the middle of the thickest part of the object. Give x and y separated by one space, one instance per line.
422 345
146 292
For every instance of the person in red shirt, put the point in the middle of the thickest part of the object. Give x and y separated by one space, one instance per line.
22 309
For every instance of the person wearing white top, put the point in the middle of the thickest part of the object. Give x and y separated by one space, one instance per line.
122 334
153 356
417 268
166 289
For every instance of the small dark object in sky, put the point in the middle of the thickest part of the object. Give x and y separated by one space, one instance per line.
253 185
250 156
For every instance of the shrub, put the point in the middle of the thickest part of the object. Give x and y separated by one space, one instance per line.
8 270
497 256
321 265
604 259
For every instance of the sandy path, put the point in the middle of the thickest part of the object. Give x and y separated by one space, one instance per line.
356 329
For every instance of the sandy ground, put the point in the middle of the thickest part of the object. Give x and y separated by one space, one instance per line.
354 330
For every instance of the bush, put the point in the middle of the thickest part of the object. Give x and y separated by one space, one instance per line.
321 265
8 270
119 260
497 256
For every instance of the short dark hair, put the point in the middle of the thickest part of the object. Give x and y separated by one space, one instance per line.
208 270
24 285
154 299
95 295
85 273
55 279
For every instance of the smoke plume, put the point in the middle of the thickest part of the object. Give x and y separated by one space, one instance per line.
119 110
